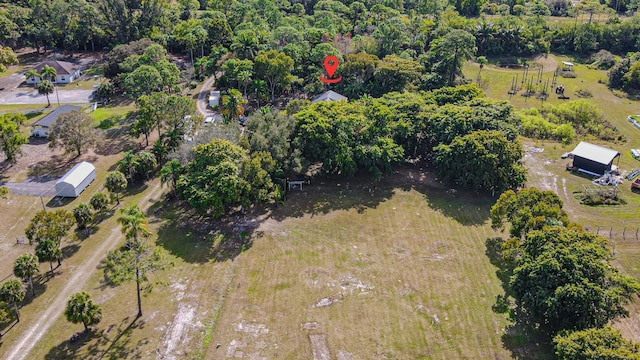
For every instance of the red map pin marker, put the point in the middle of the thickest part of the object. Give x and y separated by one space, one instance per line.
330 65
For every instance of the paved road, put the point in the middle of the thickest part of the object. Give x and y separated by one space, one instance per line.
39 187
33 332
29 96
203 97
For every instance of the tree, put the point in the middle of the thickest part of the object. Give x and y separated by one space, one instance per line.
394 73
170 173
232 104
244 78
25 267
74 132
12 292
33 73
129 165
527 209
144 80
563 280
148 163
481 160
595 344
49 73
451 51
482 60
133 261
48 250
105 91
4 191
45 87
245 44
83 214
10 137
81 309
99 202
275 68
49 225
7 57
211 182
116 183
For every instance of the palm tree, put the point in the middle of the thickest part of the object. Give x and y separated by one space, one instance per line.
45 87
49 73
129 164
12 292
48 250
244 77
80 308
481 61
134 227
260 88
170 173
25 267
245 45
232 103
33 73
116 182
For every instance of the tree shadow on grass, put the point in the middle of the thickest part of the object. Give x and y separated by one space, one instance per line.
116 140
101 345
69 349
194 240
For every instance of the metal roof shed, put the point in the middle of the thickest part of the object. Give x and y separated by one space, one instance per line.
594 158
76 180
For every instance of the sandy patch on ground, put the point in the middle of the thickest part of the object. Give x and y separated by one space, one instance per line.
319 347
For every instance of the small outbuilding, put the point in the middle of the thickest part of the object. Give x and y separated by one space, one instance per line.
594 159
76 180
214 98
329 96
41 127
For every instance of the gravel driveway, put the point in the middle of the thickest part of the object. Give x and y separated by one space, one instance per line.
29 96
33 187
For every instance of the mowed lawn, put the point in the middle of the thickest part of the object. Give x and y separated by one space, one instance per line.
405 277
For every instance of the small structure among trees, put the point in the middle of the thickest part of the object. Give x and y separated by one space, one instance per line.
76 180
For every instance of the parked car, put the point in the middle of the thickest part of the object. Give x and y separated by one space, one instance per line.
636 184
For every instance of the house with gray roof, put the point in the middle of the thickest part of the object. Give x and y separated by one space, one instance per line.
41 127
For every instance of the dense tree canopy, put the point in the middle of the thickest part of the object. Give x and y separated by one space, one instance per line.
10 137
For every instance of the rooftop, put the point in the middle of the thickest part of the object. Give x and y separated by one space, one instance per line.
77 174
62 67
51 117
329 96
594 152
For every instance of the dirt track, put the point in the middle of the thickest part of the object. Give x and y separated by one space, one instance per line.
20 350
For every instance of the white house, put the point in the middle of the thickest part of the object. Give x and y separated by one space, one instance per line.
41 127
67 72
76 180
214 98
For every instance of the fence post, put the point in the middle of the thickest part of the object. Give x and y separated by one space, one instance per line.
636 233
598 231
610 232
624 230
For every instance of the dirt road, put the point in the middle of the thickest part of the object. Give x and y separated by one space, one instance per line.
30 338
203 97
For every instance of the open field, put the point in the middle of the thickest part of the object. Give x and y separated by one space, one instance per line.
397 269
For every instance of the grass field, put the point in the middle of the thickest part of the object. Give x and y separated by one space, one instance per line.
404 277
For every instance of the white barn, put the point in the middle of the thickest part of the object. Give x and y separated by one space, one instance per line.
76 180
